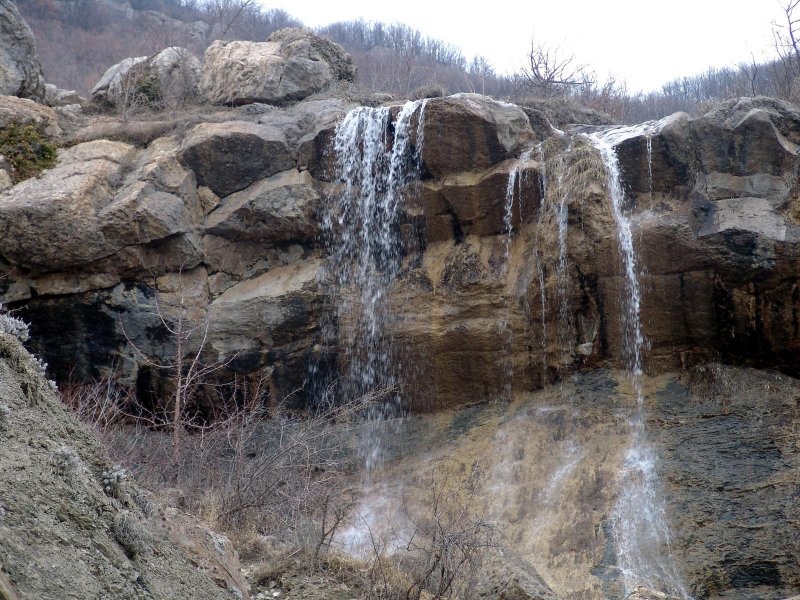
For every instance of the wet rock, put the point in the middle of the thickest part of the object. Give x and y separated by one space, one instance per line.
470 132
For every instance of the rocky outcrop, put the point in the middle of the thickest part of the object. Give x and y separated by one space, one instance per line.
291 65
65 532
20 69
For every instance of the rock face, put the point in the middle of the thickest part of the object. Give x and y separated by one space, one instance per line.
20 69
95 541
509 277
291 65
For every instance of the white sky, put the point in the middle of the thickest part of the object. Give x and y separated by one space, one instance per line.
643 42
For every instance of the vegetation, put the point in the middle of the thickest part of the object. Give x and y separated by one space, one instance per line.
27 149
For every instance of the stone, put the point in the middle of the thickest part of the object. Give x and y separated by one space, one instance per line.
506 576
166 79
55 96
20 69
62 517
228 157
110 88
282 208
21 111
291 65
51 222
470 132
477 200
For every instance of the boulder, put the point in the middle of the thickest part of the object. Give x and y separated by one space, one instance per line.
506 576
228 157
54 96
20 69
21 111
470 132
168 78
282 208
291 65
111 85
81 212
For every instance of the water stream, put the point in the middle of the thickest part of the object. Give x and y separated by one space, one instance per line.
375 160
640 529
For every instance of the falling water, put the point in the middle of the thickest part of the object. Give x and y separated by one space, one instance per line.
367 252
538 256
562 222
514 187
639 523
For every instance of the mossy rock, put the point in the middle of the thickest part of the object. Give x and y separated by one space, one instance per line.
27 149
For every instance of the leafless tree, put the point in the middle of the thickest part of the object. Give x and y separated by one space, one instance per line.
549 72
786 34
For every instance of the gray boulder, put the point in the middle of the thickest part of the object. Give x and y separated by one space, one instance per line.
168 78
20 69
291 65
228 157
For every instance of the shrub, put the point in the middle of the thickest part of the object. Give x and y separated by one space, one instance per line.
28 149
131 534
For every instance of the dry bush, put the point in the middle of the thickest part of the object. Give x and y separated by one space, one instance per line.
250 467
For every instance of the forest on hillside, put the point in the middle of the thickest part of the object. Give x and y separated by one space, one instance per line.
79 39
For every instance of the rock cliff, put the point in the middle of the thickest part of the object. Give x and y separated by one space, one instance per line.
496 247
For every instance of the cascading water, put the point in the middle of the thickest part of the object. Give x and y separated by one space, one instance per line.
640 529
367 252
514 187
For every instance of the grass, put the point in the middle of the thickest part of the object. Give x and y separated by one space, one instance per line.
28 149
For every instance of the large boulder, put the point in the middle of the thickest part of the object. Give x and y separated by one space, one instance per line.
282 208
291 65
82 211
168 78
20 69
228 157
470 132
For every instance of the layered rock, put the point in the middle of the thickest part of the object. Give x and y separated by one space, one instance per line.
291 65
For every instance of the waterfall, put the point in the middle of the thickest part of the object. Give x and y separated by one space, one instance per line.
639 523
373 166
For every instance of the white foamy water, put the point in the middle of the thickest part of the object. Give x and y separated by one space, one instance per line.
641 533
375 161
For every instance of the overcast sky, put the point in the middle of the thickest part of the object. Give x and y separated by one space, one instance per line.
643 42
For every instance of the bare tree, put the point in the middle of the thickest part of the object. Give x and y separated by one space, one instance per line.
786 34
549 73
186 366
